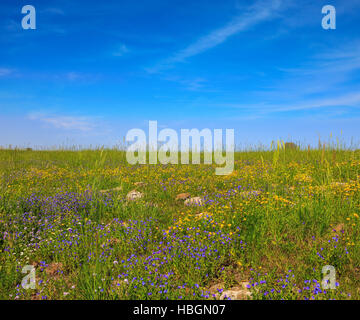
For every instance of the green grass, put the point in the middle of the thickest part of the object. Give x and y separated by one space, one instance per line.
88 244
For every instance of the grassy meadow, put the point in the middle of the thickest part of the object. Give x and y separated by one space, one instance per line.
268 228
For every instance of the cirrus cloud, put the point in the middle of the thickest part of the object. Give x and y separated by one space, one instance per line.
66 122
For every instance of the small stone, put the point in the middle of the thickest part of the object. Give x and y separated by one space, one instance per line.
237 293
134 195
339 228
195 201
182 196
217 289
291 145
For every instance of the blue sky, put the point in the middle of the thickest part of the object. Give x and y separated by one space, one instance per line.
93 70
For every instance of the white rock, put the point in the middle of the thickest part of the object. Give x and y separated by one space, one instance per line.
237 293
134 195
195 201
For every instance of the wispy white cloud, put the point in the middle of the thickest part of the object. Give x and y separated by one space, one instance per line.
5 72
194 84
12 26
66 122
328 81
334 62
351 99
257 13
73 76
53 10
120 50
347 100
64 76
350 50
330 78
